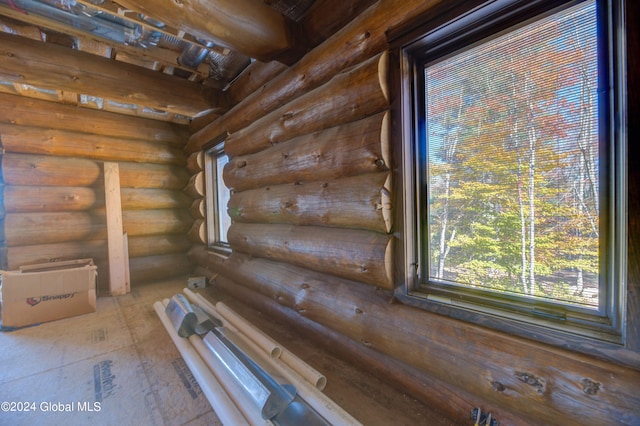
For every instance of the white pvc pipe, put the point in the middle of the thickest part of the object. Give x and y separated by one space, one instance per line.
312 375
324 405
320 402
267 344
248 408
223 406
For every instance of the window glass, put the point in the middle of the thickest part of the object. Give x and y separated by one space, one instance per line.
222 197
512 170
514 167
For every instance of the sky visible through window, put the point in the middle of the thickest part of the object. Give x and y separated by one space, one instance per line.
223 195
513 163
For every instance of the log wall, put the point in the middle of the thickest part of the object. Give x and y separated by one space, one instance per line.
312 238
53 202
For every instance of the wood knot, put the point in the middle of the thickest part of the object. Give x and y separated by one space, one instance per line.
304 286
590 387
379 162
359 311
531 380
241 164
498 387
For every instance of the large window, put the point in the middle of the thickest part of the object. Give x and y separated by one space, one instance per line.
218 220
514 155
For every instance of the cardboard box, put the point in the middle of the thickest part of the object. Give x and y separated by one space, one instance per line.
48 291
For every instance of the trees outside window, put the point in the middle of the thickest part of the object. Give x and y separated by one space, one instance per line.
218 195
513 146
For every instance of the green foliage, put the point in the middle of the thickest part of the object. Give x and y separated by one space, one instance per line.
513 197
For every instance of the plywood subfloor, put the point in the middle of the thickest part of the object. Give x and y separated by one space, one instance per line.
122 357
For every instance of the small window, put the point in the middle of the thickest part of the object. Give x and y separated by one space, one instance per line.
515 157
218 219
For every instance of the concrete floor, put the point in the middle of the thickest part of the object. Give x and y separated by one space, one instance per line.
118 362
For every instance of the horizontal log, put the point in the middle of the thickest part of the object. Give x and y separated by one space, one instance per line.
536 381
134 175
25 111
357 255
42 170
198 232
141 246
326 17
361 39
195 162
247 26
350 149
155 268
152 245
153 198
156 222
349 96
198 208
42 253
54 67
26 169
454 403
34 199
195 187
24 229
255 75
35 140
360 202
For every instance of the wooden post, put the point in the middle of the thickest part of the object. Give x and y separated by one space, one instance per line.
127 270
115 238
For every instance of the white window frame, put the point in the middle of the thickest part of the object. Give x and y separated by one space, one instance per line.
215 238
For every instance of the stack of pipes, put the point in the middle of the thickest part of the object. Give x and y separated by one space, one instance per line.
248 378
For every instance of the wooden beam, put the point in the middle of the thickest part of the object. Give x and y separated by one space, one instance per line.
49 66
115 238
364 37
247 26
23 111
165 56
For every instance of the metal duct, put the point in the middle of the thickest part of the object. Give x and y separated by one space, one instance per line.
90 20
193 55
227 67
292 9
